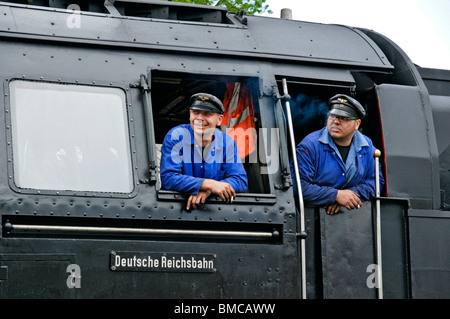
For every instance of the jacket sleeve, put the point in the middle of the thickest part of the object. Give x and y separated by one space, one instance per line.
366 188
313 194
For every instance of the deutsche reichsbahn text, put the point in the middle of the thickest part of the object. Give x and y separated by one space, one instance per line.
168 262
163 262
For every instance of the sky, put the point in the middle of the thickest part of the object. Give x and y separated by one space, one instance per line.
420 27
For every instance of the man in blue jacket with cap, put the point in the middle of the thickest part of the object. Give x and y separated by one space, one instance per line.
199 159
336 164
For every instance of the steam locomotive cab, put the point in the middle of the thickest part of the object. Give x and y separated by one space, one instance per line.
91 90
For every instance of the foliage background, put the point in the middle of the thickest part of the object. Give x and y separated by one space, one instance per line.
250 6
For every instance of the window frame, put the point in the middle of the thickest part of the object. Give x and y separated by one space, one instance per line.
82 193
249 198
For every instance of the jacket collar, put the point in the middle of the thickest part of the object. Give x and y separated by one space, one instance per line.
358 140
216 142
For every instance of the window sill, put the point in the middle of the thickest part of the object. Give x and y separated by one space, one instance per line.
242 198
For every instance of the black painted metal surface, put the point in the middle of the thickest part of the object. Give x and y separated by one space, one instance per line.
181 49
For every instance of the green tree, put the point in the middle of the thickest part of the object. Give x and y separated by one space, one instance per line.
250 6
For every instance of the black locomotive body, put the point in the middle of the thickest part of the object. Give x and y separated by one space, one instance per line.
91 88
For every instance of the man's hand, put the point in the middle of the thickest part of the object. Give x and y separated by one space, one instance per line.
348 198
223 189
196 200
333 208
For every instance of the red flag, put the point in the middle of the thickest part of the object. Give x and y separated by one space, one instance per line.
238 119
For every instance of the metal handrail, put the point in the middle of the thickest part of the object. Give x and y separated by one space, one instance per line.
299 190
378 225
11 227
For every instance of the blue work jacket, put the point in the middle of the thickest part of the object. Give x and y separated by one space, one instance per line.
323 172
183 167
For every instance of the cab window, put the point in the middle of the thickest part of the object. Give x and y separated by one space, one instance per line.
69 137
171 92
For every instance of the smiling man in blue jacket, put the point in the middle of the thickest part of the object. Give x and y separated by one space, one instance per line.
336 163
200 160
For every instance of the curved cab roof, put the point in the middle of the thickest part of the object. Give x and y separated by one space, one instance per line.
163 25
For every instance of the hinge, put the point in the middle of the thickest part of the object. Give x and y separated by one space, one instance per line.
353 90
301 235
240 16
3 272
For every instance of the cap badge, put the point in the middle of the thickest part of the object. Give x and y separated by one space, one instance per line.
203 98
342 100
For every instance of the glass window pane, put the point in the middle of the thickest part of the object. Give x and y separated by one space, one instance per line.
70 137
